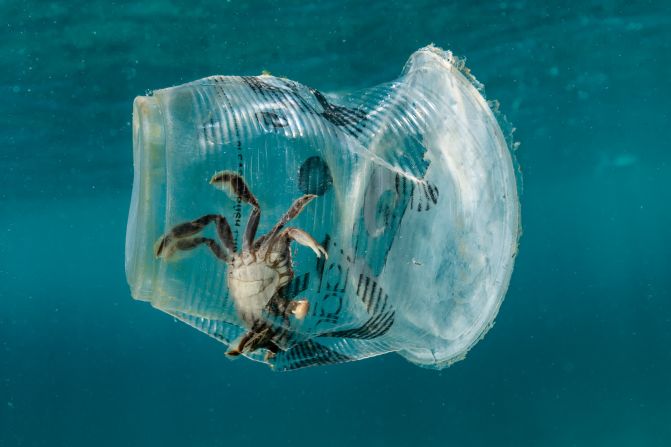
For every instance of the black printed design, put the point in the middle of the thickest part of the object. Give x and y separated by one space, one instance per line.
421 195
261 87
314 176
375 327
365 290
335 286
308 353
287 97
351 120
274 119
297 285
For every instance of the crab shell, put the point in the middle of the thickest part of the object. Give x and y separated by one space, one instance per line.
253 282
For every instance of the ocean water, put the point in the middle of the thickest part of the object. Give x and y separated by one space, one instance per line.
580 354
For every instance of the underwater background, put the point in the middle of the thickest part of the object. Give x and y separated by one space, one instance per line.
580 354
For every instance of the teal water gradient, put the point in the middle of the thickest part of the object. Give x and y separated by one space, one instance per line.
581 351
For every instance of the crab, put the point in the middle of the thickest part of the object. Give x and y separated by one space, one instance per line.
258 272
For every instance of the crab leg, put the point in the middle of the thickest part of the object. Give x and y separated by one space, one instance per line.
294 211
166 246
259 336
241 345
250 230
193 242
296 208
236 188
300 236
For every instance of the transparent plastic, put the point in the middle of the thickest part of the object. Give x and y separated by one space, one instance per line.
411 191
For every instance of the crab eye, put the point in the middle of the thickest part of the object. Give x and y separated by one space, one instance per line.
352 225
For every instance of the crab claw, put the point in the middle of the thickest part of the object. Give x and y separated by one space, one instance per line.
321 249
300 308
305 239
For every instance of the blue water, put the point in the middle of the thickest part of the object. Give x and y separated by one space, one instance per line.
581 351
